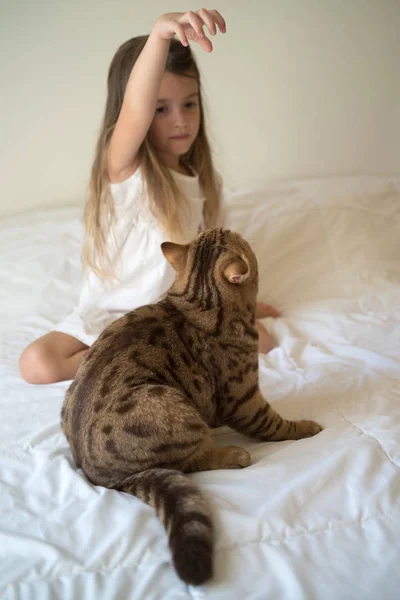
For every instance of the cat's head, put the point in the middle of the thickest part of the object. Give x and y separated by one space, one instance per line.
216 257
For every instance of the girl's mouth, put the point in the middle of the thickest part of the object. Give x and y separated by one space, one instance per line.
183 136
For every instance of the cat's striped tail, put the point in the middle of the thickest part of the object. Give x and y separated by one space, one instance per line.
184 514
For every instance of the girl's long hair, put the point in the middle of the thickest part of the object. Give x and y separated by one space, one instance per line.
166 200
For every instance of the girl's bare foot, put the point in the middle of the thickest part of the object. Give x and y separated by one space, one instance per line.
265 341
266 310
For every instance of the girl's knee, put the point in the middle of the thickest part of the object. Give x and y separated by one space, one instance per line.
36 366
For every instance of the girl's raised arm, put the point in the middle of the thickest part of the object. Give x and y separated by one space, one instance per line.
140 99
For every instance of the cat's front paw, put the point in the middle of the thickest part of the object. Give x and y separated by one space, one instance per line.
307 429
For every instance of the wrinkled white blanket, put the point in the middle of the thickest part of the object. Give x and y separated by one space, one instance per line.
313 519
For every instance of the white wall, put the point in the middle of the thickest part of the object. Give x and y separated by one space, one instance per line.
295 88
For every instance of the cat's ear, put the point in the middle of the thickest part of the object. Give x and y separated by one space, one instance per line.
237 271
175 254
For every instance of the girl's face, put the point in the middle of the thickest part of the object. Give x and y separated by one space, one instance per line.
177 120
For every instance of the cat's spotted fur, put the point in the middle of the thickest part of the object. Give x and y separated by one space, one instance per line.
139 412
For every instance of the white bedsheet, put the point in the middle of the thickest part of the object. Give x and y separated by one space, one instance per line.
313 519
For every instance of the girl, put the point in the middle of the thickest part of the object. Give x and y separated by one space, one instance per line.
152 180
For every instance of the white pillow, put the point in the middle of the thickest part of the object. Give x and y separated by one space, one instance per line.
333 239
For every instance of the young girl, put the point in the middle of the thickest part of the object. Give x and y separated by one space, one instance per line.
152 180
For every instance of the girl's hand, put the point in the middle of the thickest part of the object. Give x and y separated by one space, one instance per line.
189 26
266 310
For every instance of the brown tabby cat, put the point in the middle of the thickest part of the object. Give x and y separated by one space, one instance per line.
140 410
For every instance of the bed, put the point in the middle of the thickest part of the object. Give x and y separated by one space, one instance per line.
317 518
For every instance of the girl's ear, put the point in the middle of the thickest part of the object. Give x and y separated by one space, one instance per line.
237 271
175 254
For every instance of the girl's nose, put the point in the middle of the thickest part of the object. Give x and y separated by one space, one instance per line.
179 118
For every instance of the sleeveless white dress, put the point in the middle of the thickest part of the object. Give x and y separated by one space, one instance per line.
143 272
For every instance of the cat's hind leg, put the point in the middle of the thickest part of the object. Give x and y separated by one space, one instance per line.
155 426
209 456
190 446
185 442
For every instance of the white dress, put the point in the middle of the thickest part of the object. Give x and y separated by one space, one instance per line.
144 273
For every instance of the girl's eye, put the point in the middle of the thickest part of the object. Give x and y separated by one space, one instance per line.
190 105
161 109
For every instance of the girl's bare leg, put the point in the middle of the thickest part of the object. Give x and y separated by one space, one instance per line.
53 357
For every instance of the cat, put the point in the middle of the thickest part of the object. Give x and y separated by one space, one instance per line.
139 412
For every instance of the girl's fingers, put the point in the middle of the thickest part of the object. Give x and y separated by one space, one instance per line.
218 19
208 20
180 33
193 26
194 20
206 44
189 26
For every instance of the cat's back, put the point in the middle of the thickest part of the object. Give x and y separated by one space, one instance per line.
126 353
155 345
142 336
144 346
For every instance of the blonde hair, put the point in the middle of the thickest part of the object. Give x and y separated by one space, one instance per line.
166 200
